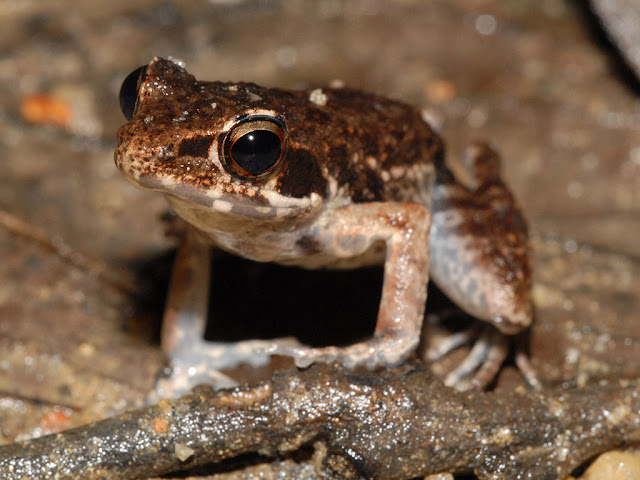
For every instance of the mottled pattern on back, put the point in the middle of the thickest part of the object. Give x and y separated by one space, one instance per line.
340 141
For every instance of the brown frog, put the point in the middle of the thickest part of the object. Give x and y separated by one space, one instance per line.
326 178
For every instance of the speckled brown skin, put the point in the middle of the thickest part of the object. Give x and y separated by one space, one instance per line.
354 188
175 129
480 239
480 257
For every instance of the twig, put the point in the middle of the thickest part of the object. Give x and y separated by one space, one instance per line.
397 424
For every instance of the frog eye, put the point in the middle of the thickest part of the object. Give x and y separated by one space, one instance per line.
129 91
255 146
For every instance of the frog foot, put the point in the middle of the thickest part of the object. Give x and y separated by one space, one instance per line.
200 362
376 352
483 362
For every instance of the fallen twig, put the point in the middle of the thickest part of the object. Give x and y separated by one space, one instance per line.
398 424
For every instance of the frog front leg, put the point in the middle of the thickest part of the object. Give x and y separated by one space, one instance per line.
356 234
481 259
194 360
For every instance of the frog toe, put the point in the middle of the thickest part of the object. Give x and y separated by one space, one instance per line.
481 366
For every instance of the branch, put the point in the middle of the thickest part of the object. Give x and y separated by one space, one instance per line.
398 424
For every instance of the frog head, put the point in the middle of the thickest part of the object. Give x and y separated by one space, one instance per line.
218 151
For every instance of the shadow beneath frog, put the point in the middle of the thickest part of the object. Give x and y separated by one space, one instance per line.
318 307
252 300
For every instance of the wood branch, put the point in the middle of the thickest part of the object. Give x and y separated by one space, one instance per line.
398 424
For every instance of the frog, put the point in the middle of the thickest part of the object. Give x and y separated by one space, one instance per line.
328 177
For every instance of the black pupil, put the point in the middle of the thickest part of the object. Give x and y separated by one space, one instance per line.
256 151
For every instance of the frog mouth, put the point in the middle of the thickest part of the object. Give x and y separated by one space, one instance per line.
243 202
222 215
241 199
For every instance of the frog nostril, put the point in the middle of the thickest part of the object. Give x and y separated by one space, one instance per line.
255 146
129 91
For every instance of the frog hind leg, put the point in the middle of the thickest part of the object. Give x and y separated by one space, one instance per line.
480 257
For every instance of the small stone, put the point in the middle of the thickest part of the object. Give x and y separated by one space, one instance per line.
183 452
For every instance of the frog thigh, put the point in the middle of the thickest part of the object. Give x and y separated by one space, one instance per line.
479 243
